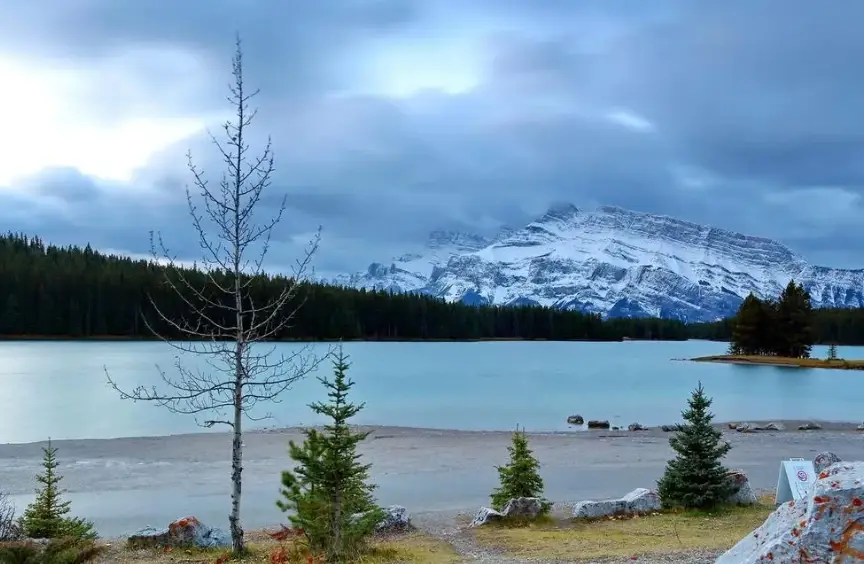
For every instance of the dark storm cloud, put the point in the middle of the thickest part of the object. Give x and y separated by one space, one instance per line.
682 108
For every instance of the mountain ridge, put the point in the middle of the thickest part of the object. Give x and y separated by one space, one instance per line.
611 261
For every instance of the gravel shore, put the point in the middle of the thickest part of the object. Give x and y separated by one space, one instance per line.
124 484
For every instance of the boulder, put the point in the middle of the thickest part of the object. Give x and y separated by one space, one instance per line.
860 427
774 427
485 516
640 501
598 424
810 426
733 426
396 520
743 494
823 460
523 508
575 420
185 532
746 428
826 526
636 427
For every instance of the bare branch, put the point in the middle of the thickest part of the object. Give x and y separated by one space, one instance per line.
223 322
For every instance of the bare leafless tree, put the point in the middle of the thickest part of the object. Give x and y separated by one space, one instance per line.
223 324
8 526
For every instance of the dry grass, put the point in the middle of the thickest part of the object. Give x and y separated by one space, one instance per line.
662 533
413 548
839 364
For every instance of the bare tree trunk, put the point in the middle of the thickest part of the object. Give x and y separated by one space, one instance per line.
223 323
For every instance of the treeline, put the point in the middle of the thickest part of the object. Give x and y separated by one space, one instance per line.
73 292
781 327
841 326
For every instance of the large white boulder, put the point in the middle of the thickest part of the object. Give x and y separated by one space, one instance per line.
518 508
638 502
827 526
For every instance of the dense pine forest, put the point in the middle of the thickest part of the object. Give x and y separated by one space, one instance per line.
73 292
70 292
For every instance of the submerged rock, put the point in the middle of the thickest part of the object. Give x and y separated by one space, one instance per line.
638 502
826 526
185 532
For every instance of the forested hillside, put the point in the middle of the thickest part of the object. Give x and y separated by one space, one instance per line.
49 291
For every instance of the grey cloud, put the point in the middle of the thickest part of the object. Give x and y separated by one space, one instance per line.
760 96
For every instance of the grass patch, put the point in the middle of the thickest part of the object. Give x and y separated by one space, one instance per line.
839 364
413 548
661 533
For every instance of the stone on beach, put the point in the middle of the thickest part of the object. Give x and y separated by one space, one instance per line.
810 426
575 420
396 520
743 494
518 508
823 460
598 424
640 501
636 427
825 526
188 532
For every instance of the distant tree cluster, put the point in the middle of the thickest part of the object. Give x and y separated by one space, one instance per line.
74 292
778 328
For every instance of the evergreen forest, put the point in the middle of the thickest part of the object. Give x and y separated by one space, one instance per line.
48 291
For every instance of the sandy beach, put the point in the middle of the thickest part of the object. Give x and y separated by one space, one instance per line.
125 484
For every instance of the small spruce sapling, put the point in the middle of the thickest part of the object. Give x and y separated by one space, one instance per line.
47 516
521 476
696 478
328 491
832 352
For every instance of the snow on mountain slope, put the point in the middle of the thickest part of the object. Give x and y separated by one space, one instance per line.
611 261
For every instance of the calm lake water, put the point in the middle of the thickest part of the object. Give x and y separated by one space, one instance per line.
59 389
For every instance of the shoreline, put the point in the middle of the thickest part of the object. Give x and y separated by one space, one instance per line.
377 432
754 360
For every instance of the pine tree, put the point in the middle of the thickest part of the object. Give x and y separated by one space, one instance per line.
832 352
696 478
794 320
521 476
46 517
328 490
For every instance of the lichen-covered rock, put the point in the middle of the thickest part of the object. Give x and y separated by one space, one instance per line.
575 420
188 532
823 460
640 501
486 515
396 520
743 494
827 526
523 508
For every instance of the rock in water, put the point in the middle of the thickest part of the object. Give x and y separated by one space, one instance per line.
396 519
598 424
187 532
638 502
636 427
486 515
744 494
827 526
575 420
811 426
823 460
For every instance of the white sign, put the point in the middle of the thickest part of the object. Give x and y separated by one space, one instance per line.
796 478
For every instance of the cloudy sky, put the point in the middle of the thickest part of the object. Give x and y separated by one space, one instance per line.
393 117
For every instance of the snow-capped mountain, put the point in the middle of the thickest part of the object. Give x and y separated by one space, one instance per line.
611 261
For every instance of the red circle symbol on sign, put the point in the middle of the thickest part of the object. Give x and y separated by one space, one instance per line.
802 475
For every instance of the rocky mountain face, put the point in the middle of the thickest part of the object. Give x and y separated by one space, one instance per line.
611 261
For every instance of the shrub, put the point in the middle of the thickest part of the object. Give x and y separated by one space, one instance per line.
46 517
520 477
696 478
67 550
8 527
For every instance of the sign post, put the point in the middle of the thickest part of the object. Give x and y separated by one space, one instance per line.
796 478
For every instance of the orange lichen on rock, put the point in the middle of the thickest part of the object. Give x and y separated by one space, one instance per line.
841 547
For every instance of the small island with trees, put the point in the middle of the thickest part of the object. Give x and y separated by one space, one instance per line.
778 333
